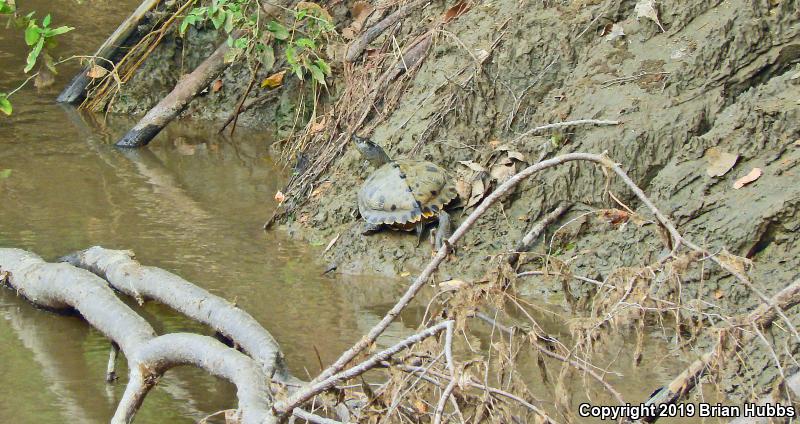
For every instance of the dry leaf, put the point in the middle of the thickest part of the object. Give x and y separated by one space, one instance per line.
615 217
614 31
309 6
516 155
318 126
216 86
280 197
751 176
478 189
797 143
96 71
464 189
459 9
360 12
719 162
647 9
405 274
502 172
452 285
718 294
472 165
274 80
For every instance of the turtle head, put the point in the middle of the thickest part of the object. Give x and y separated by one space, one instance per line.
371 151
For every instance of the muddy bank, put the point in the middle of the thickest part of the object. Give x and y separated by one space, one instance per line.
711 82
723 78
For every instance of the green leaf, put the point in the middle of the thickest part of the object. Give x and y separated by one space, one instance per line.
298 70
218 20
46 21
33 55
306 42
58 31
229 23
280 31
291 55
5 104
323 65
268 58
6 7
317 74
32 34
5 173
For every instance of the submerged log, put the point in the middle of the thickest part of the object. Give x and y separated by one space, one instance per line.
76 89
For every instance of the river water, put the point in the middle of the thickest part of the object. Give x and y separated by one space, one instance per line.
192 203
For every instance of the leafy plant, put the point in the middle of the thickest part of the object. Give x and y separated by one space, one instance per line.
301 37
39 37
7 7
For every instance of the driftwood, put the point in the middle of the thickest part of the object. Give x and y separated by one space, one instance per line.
76 89
141 282
64 287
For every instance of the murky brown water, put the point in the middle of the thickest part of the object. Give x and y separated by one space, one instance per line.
192 203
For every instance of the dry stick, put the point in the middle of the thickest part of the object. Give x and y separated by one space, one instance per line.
247 106
763 316
480 386
357 47
244 97
527 241
564 124
111 368
305 415
77 87
316 386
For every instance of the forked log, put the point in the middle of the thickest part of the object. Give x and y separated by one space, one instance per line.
128 276
76 89
62 287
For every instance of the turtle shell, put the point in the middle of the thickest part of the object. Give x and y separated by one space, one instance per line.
404 192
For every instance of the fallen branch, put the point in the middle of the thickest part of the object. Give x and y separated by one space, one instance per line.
63 287
176 101
128 276
76 89
318 386
597 122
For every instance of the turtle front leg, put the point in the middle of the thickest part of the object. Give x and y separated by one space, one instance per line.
370 228
444 231
418 229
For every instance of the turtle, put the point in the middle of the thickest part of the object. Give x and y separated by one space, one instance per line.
403 194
